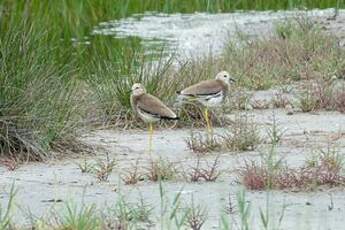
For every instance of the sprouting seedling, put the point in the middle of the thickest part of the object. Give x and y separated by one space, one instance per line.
86 167
104 168
274 132
133 175
161 169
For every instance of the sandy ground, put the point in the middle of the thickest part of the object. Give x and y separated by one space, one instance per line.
40 183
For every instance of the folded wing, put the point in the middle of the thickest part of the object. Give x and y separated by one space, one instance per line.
203 88
153 106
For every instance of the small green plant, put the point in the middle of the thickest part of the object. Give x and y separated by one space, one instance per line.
161 169
131 213
102 168
79 218
242 135
203 143
5 213
196 217
133 175
274 132
307 101
86 167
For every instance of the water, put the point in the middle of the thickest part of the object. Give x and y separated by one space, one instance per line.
198 33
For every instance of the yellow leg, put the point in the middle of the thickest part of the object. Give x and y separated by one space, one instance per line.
208 122
150 138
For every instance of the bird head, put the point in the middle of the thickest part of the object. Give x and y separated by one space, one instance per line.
225 77
138 89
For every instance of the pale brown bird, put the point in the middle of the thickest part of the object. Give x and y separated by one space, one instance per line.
149 108
210 93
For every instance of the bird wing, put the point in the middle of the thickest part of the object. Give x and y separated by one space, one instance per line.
203 88
154 106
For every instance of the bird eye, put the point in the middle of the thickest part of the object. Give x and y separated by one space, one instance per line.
225 76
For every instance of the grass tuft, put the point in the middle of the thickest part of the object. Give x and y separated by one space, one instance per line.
196 216
241 135
133 175
325 170
131 213
202 143
199 172
6 213
328 95
103 168
161 169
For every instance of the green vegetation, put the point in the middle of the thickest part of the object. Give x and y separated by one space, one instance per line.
7 212
38 97
122 215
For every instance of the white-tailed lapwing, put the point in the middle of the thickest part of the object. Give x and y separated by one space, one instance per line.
210 93
149 108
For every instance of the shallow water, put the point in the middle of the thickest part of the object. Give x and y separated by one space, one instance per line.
199 33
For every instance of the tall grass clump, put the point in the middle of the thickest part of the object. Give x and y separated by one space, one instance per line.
38 109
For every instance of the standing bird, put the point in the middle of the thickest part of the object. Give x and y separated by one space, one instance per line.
210 93
149 108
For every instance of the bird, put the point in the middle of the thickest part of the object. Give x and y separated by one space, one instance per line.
210 93
149 108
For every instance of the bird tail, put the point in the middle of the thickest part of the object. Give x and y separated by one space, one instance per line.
171 118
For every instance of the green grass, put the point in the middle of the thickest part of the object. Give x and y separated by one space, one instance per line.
6 213
38 96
